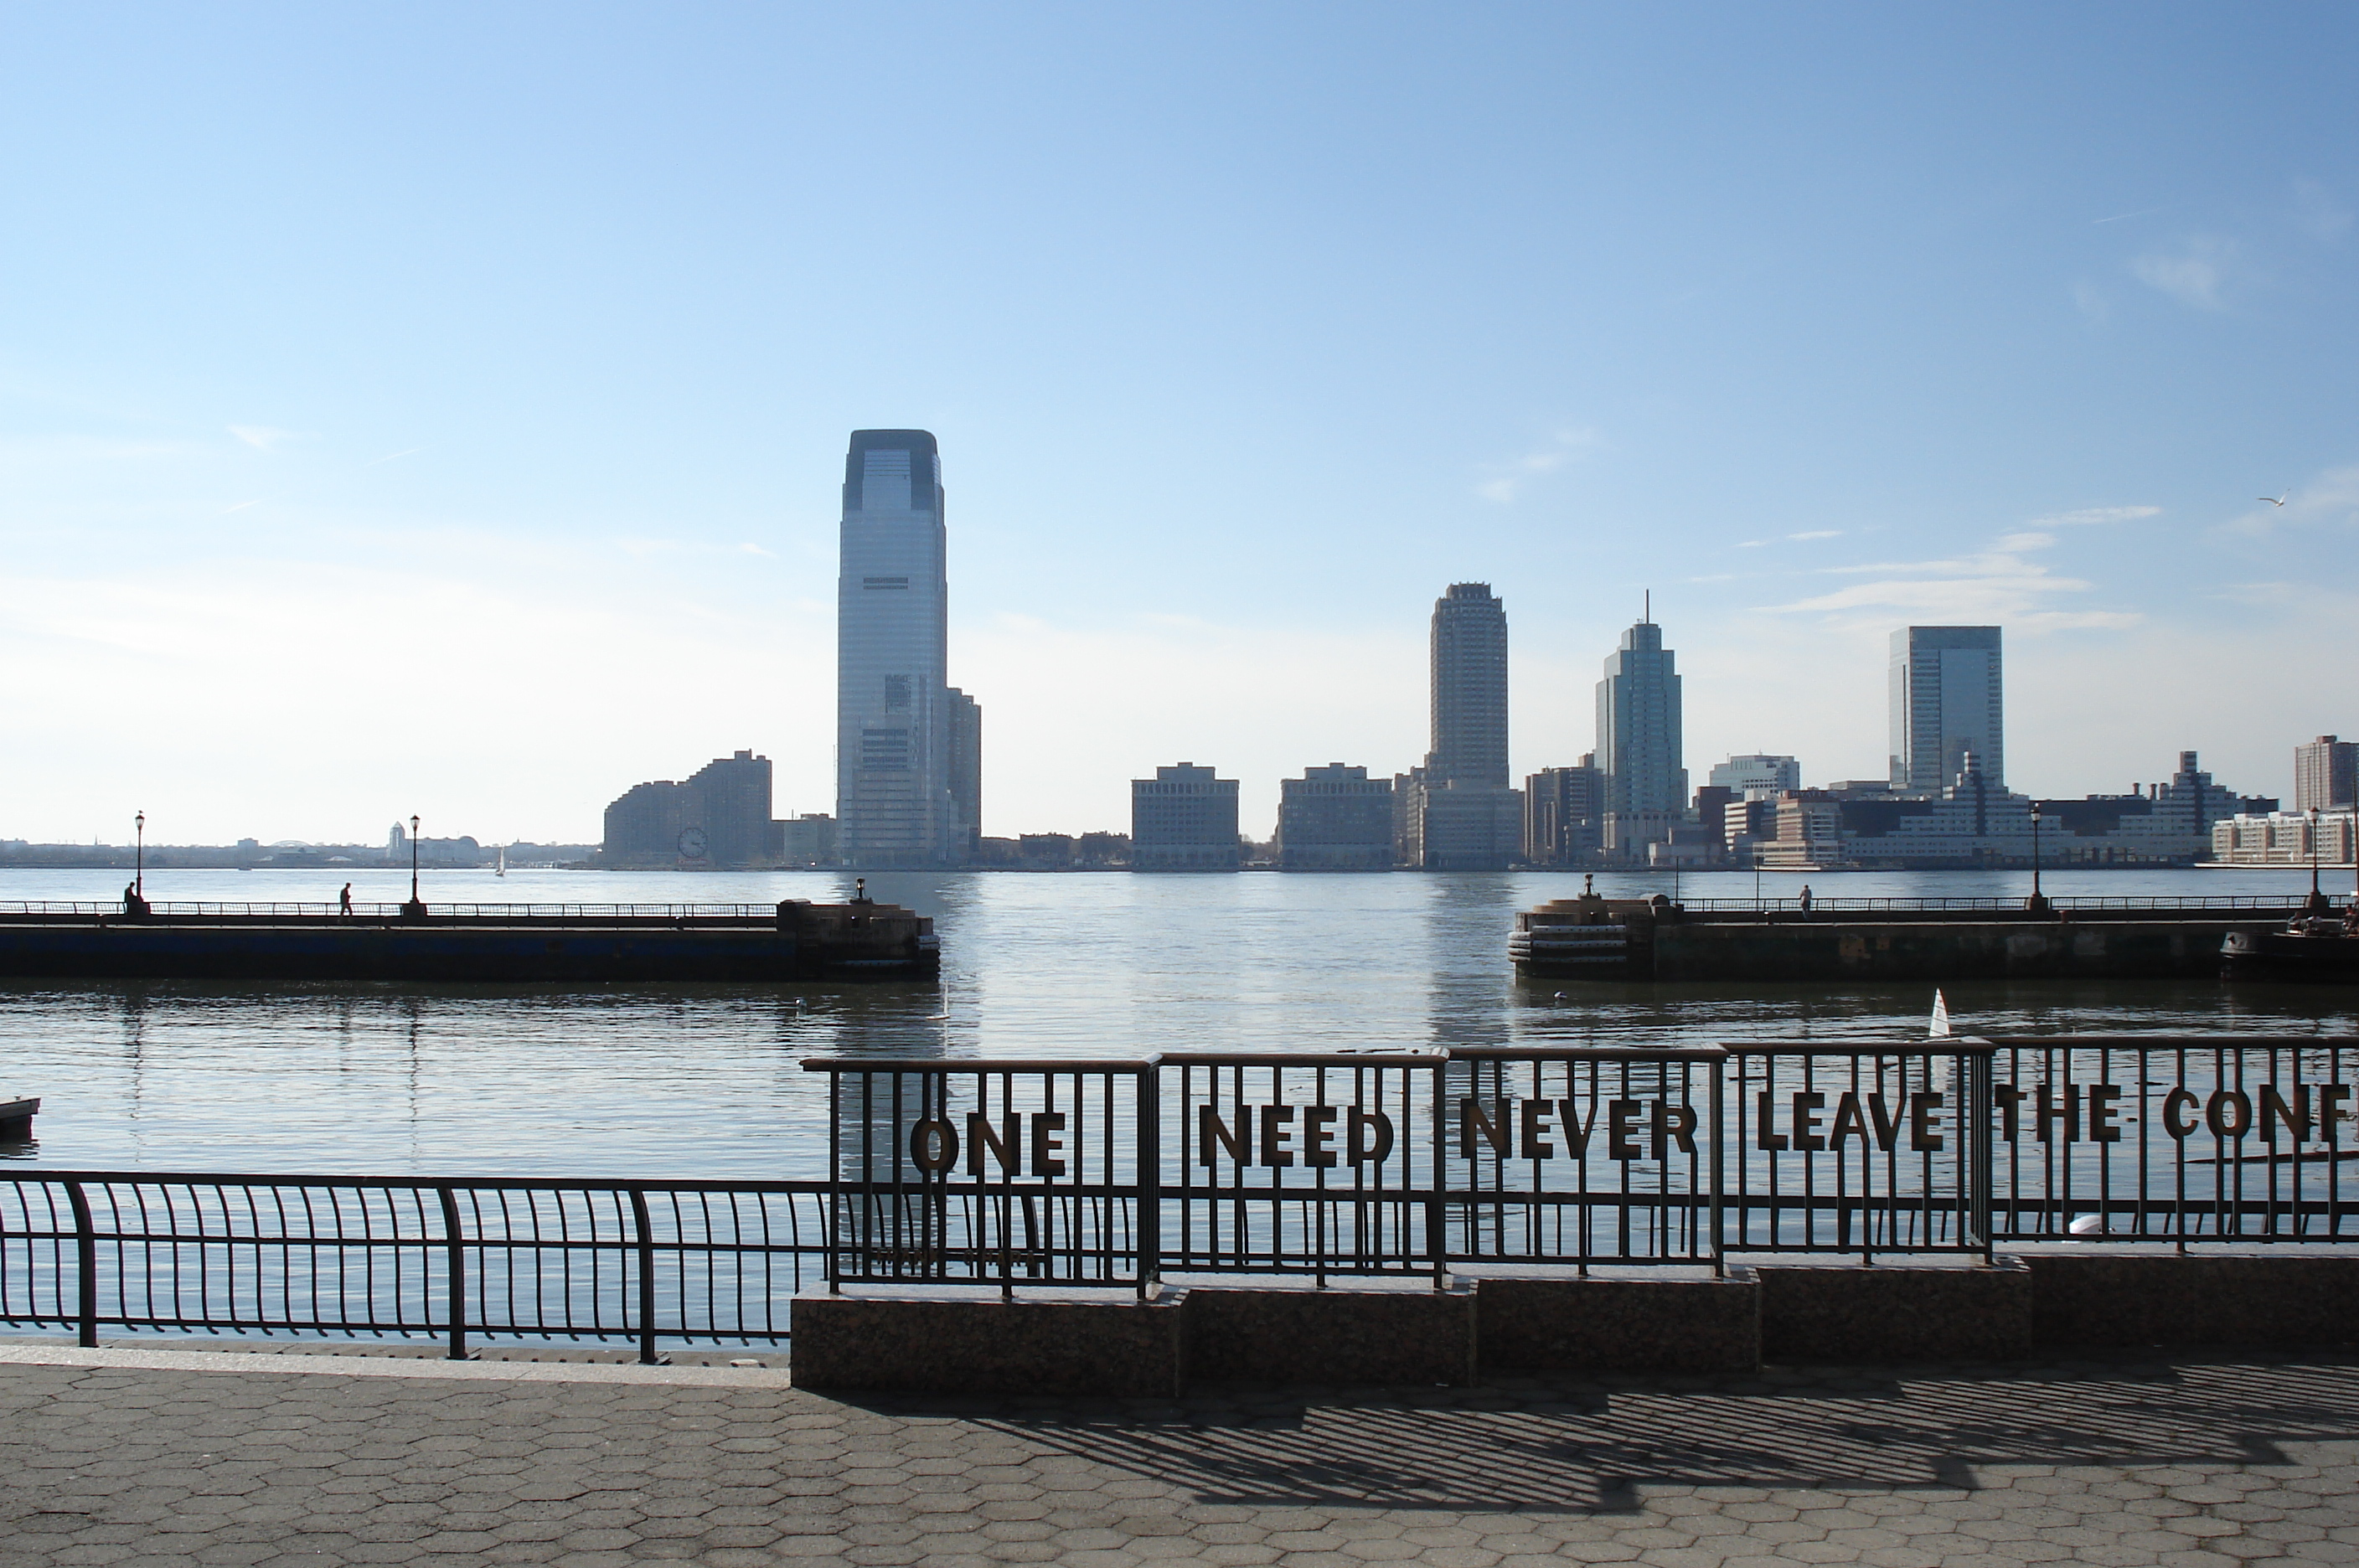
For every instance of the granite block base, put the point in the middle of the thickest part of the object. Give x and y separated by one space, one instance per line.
1412 1336
1633 1325
1896 1313
1117 1346
2117 1301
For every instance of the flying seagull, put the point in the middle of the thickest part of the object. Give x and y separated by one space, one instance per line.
2274 500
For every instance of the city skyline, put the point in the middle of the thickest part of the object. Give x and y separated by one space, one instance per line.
361 462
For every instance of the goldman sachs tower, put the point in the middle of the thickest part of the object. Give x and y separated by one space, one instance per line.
908 745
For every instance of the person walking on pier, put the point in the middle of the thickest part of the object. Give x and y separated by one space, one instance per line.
1806 897
344 901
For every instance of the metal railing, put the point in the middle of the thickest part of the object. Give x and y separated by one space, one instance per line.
1115 1174
1867 1149
2264 904
2183 1139
459 1260
538 913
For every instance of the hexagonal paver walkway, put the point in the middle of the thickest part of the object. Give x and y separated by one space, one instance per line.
136 1459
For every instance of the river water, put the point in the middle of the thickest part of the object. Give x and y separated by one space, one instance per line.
691 1080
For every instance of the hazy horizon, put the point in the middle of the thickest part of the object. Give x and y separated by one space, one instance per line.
441 411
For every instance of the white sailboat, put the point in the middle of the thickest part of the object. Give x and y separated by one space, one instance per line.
501 869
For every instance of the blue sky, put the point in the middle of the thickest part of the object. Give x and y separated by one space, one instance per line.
441 409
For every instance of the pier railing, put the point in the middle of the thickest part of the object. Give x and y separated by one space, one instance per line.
2226 903
1122 1174
455 1260
203 909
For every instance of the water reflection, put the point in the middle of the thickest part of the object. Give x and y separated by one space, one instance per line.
707 1081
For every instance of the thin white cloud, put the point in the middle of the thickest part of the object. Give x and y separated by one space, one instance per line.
2003 584
1817 534
2091 301
388 457
1565 446
2091 516
261 438
2193 273
1787 539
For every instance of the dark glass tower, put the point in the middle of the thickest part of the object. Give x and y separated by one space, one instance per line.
1639 725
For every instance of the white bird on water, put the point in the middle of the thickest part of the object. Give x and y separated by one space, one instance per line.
2274 500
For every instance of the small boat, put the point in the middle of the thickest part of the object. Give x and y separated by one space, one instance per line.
2310 947
501 869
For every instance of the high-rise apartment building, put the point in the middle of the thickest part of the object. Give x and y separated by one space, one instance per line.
1639 745
1469 689
1948 699
966 772
893 749
1183 819
2326 775
718 817
1456 814
1335 819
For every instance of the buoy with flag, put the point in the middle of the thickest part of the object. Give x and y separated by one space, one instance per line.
1940 1027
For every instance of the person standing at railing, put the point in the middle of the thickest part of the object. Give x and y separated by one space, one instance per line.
133 904
1806 897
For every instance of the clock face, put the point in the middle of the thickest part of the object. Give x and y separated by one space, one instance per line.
691 842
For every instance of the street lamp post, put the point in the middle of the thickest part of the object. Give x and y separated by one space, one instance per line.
416 908
139 856
2039 901
2317 900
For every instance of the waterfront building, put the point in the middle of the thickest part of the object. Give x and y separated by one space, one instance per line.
2285 838
1183 819
719 817
806 840
1640 726
966 774
2326 775
1335 819
732 801
1563 813
1947 699
646 824
1465 827
893 751
1740 775
1974 823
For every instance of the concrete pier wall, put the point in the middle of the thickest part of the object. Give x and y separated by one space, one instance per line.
973 1343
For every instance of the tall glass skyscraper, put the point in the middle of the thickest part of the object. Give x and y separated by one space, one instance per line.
1948 699
893 758
1639 745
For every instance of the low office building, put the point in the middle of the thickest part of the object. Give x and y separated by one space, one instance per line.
1335 819
1183 819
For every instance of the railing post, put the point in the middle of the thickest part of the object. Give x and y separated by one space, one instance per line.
1150 1177
85 1267
646 1246
454 1270
1978 1152
1719 1253
1436 1213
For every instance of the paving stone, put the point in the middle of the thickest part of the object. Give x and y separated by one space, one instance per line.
2182 1464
